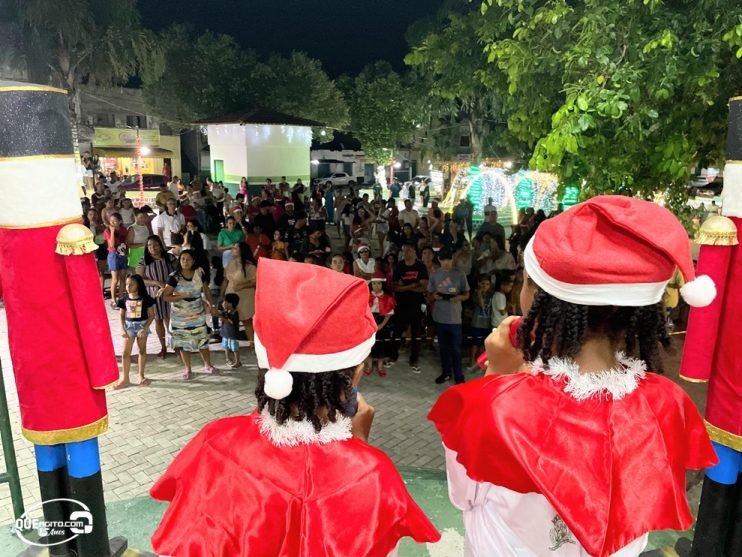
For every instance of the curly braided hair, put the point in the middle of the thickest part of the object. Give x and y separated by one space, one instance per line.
311 391
554 327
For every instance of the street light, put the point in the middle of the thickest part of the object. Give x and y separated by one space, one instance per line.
146 151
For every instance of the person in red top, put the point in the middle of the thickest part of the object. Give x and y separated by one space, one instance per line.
382 307
579 448
260 244
115 235
297 477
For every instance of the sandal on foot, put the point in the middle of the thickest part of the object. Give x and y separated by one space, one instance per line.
382 372
187 375
211 370
144 381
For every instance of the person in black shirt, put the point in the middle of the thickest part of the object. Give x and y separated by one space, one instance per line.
318 245
410 285
287 220
298 237
264 219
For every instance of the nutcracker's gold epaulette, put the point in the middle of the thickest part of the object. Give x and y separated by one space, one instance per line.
717 231
75 239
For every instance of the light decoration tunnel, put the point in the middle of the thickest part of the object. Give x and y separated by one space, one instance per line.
509 192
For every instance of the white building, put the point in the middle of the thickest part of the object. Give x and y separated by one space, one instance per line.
259 145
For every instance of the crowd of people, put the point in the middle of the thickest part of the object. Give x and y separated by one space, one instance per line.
439 279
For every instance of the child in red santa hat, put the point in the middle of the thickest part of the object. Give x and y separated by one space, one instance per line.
382 308
584 453
296 477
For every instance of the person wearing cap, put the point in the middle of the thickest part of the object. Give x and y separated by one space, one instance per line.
448 288
295 477
364 266
287 221
585 452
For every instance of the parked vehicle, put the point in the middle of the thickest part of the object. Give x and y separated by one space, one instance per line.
703 188
336 179
151 182
418 180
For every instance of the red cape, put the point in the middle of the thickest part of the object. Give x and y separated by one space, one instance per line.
234 493
612 469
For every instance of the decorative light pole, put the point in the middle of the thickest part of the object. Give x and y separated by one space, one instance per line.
140 181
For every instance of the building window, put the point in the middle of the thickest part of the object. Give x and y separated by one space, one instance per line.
464 141
135 121
104 120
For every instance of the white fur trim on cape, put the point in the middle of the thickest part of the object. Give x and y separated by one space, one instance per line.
318 363
618 294
616 382
293 433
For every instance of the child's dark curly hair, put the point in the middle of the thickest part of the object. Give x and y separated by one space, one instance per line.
557 328
311 391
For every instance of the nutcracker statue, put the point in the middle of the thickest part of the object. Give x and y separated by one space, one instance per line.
712 353
60 347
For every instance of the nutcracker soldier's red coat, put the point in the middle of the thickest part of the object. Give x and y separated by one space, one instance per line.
713 354
49 280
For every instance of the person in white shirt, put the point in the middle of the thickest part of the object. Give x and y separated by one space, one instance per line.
174 186
408 215
500 299
168 222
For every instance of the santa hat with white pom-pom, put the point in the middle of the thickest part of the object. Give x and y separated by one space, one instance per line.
308 319
614 251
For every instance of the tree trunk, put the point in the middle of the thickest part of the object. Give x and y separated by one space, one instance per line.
475 139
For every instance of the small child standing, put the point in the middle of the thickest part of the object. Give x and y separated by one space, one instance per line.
137 311
278 247
480 320
230 328
382 307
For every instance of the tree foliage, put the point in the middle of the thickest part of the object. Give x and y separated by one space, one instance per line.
69 42
385 109
450 56
212 76
621 96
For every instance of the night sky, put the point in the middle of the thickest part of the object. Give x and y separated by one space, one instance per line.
344 34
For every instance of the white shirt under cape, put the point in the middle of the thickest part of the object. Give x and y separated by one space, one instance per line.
500 522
